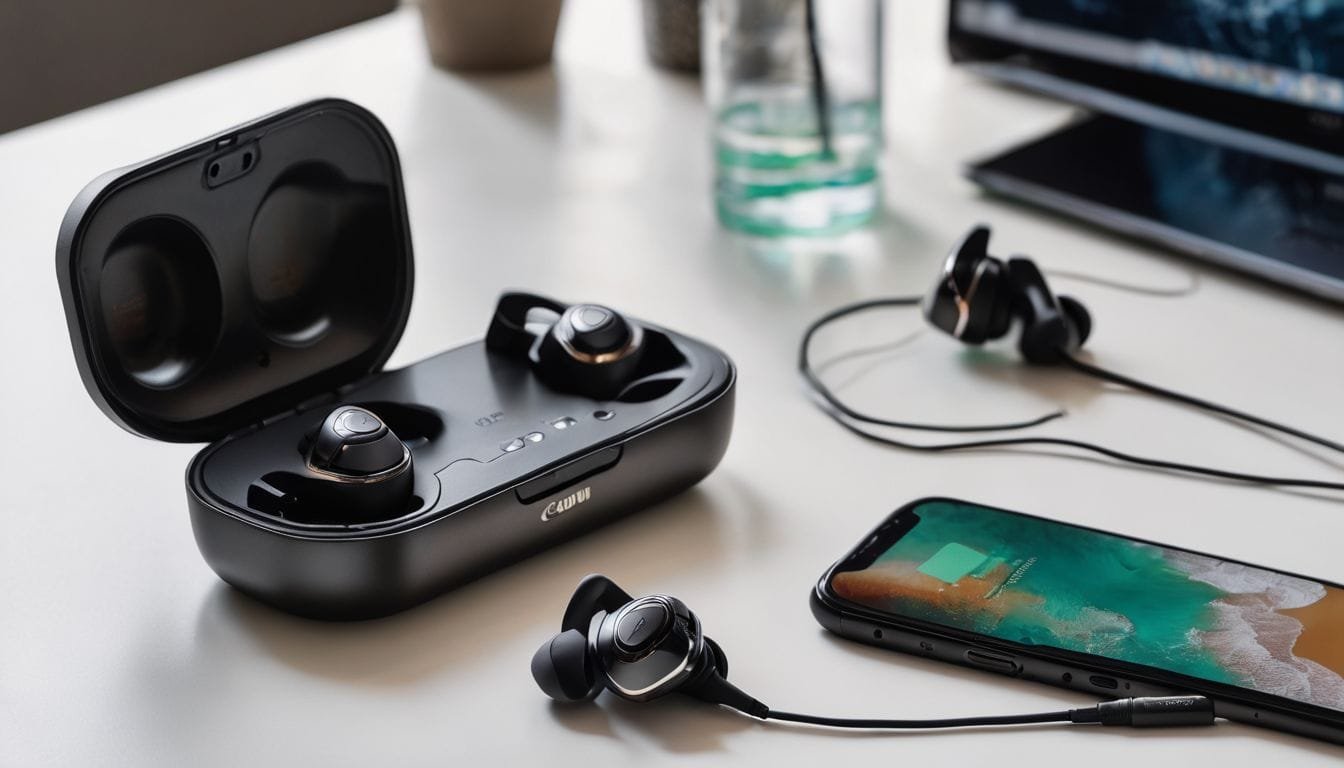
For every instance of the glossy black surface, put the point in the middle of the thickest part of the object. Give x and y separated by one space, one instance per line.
1098 675
465 516
471 404
674 655
1270 216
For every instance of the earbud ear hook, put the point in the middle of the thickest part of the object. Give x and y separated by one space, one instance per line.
1049 332
508 326
595 593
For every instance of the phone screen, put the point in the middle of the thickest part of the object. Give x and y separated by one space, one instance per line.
1038 582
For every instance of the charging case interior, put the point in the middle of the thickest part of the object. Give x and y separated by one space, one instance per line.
214 287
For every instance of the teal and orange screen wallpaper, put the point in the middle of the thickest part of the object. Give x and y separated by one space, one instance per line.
1038 582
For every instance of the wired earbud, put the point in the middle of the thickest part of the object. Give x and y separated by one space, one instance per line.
639 650
977 298
642 649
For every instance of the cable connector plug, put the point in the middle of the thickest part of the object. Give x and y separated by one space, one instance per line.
1148 712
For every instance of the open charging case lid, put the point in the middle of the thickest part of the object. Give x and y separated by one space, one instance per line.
239 278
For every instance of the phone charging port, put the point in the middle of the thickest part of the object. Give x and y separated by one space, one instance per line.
1101 681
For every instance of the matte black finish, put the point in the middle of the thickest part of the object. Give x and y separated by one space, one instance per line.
595 593
196 310
1157 711
241 289
564 670
1048 333
1064 669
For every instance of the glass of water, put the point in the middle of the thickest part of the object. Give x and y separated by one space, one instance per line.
793 88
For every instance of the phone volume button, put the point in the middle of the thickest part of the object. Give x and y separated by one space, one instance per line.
996 662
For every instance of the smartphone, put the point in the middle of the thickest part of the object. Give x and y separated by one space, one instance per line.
1093 611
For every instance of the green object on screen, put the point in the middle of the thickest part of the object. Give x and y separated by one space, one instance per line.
952 562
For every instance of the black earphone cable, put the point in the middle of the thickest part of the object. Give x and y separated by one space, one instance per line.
1140 712
844 415
715 688
1195 402
810 375
1063 716
1143 711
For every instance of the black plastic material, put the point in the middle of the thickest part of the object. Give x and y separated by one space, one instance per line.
1157 711
355 442
640 627
976 297
465 516
246 310
588 349
565 670
639 649
571 473
597 329
198 306
595 593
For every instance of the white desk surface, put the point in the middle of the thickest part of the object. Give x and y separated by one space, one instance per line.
590 180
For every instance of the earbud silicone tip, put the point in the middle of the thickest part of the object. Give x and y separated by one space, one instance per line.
720 659
562 669
1078 316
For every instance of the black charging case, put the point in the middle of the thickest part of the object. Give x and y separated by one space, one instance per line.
236 290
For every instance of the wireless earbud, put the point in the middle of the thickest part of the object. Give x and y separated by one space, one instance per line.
977 296
642 649
589 349
364 468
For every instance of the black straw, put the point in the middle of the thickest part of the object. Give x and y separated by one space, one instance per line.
819 98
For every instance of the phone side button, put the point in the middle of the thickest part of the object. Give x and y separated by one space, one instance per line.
994 662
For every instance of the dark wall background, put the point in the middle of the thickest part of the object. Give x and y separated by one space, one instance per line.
57 56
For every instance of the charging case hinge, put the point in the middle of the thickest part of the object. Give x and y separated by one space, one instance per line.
306 405
312 402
